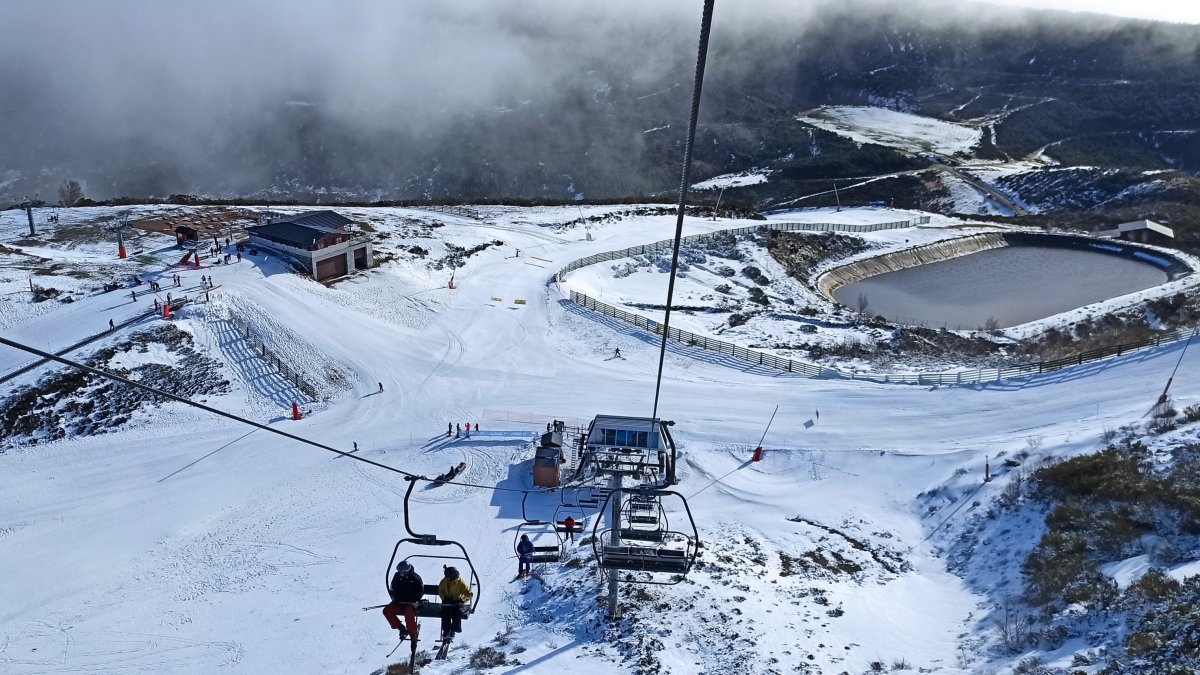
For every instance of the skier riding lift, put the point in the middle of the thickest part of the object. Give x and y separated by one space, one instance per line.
454 593
524 557
406 591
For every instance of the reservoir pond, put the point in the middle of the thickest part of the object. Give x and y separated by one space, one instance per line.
1012 285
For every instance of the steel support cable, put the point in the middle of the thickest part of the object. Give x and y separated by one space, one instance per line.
158 392
701 57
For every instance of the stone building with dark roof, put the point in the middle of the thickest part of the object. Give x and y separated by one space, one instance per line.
320 240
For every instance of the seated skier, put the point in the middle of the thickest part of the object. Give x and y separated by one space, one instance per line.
407 590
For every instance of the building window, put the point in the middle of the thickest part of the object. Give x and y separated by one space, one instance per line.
625 438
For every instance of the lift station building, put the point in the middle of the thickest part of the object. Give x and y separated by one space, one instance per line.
321 241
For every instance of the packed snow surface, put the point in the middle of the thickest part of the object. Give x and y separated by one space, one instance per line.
187 543
905 131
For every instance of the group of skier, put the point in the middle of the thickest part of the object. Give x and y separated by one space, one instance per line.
456 429
408 592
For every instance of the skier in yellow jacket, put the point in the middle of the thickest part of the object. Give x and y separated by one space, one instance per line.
454 593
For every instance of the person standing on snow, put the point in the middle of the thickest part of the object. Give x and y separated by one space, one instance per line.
524 557
381 387
454 593
406 590
449 429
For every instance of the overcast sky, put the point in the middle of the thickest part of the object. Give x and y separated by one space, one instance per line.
1179 11
185 90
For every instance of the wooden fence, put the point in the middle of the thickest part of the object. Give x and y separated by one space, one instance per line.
286 371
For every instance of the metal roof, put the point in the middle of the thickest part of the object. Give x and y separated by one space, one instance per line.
1137 225
330 220
290 234
627 423
1146 225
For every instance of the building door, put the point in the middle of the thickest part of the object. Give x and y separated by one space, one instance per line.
331 267
360 259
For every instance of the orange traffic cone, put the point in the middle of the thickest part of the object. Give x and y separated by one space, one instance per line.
121 252
295 411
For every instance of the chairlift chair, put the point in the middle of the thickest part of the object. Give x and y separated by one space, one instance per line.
569 491
591 498
539 530
432 608
574 511
643 519
669 552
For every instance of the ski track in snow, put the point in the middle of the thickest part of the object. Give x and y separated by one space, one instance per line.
180 543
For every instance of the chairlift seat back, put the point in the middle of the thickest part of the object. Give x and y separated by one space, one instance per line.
643 558
643 535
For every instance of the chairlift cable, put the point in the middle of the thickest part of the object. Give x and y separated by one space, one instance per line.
158 392
701 57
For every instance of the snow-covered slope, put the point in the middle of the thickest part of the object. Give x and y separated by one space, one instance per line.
902 130
184 543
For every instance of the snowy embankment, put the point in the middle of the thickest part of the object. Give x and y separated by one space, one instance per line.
180 542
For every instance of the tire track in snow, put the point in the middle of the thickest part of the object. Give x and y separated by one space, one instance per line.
46 648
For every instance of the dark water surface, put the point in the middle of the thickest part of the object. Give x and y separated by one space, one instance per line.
1014 285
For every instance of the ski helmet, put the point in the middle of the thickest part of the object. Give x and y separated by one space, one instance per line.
403 567
451 573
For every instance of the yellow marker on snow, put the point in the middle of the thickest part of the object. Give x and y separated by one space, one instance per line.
518 302
495 299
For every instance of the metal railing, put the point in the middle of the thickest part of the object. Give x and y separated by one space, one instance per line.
806 369
702 341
